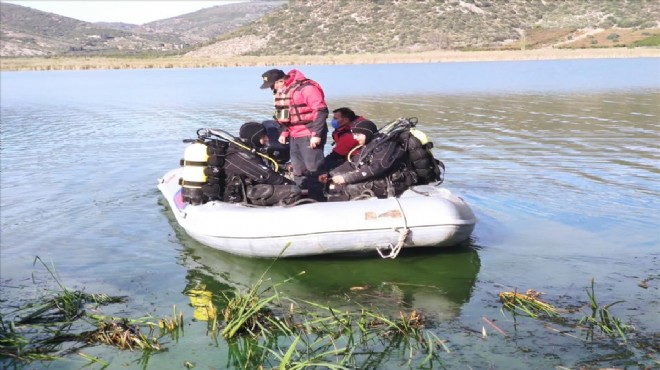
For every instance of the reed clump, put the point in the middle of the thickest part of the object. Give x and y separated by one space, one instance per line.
265 329
258 320
527 303
600 318
319 335
36 331
123 336
247 312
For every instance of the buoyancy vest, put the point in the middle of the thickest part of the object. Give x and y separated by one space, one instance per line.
290 107
421 159
344 145
341 131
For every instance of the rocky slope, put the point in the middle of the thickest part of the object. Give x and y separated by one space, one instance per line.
28 32
337 27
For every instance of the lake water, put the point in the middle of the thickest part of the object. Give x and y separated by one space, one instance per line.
558 159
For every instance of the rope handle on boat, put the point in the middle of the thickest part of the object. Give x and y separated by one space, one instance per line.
403 235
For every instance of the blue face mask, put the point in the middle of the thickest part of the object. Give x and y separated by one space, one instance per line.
334 123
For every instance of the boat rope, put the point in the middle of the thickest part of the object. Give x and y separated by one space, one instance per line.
424 193
366 194
403 235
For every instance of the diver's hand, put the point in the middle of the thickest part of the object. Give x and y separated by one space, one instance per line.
338 179
314 141
282 139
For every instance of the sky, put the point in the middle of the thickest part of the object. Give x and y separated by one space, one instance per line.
127 11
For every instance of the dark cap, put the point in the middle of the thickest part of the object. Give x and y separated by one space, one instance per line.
365 127
251 133
271 76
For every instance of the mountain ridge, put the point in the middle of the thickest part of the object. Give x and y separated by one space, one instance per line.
339 27
29 32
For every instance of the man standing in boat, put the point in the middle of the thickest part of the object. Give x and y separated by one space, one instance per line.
301 110
378 170
344 143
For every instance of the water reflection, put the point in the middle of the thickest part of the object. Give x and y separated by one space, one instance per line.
436 283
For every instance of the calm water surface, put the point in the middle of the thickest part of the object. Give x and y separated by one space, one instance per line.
559 161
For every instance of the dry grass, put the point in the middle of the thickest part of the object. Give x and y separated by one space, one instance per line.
59 63
548 36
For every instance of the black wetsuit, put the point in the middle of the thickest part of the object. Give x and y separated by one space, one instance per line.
380 168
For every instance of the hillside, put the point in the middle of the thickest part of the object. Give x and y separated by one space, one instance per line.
206 24
381 26
340 27
29 32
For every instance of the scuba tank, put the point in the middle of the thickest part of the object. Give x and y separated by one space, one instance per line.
420 136
203 177
194 162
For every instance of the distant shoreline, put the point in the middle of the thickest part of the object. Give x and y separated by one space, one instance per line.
85 63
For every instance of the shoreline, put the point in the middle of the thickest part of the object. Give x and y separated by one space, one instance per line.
86 63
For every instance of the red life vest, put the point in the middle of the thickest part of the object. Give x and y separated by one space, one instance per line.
343 137
343 130
290 107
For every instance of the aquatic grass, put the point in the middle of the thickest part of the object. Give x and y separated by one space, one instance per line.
527 304
125 333
261 327
246 313
173 325
19 347
602 319
293 359
37 330
122 335
64 306
258 320
360 330
94 360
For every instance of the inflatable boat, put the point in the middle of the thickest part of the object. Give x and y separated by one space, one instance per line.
422 217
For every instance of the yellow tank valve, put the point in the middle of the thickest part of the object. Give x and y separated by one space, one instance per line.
419 135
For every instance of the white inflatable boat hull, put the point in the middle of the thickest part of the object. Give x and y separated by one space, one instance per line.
433 217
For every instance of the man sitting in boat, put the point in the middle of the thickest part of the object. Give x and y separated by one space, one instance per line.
388 164
248 178
378 170
343 121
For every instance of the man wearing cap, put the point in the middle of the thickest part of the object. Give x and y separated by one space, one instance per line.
301 110
247 177
378 170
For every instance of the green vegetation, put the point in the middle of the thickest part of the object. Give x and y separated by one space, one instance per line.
653 41
331 28
255 323
264 329
529 304
334 27
602 319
